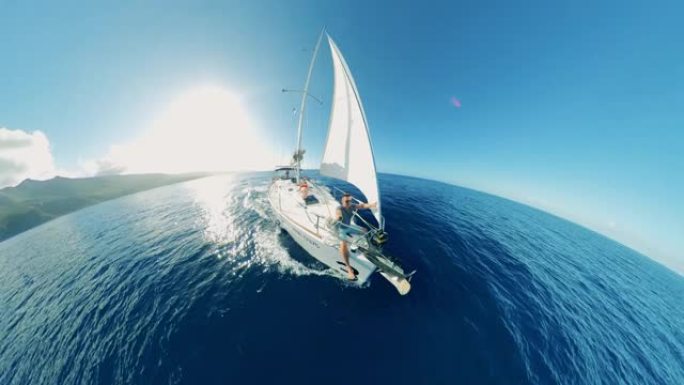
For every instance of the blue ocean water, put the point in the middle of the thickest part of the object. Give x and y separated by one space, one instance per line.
195 284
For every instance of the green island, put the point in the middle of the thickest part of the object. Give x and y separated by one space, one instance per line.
32 202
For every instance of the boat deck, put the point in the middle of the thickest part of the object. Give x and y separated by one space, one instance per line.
309 224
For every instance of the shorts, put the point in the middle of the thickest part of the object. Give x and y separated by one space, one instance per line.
347 233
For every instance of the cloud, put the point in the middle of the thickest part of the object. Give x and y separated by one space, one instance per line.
24 155
205 129
99 167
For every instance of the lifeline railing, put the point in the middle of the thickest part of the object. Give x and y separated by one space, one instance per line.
372 230
372 227
324 194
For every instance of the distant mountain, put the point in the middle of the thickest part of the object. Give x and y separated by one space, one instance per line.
34 202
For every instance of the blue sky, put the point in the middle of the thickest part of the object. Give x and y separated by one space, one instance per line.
573 107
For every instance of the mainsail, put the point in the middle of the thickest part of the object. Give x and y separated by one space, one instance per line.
348 152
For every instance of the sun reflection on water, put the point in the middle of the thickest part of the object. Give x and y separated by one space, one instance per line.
234 218
214 199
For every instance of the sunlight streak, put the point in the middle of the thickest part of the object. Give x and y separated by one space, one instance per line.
204 129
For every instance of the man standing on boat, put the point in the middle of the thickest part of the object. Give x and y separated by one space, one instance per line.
344 214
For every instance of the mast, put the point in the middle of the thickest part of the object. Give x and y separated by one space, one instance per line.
298 153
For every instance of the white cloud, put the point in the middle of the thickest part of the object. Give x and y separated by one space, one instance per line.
101 166
205 129
24 155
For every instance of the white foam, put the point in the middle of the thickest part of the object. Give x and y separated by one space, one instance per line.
228 221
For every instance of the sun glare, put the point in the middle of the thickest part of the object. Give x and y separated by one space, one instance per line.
204 129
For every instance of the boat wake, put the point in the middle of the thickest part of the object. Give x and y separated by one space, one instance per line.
239 224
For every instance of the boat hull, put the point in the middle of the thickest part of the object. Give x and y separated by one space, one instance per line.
312 236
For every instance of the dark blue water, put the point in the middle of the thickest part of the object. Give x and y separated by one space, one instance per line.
194 284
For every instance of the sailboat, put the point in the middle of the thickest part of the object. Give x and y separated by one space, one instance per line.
306 208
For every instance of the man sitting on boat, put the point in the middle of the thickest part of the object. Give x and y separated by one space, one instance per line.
303 188
304 192
346 229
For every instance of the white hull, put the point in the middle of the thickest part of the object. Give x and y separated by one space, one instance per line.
307 225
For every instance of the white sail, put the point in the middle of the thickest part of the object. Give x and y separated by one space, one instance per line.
348 151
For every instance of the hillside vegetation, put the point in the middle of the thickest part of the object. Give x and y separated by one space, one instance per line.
34 202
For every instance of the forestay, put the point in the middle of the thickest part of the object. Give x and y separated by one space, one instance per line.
348 152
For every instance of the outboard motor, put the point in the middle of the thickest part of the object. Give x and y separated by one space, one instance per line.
379 238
